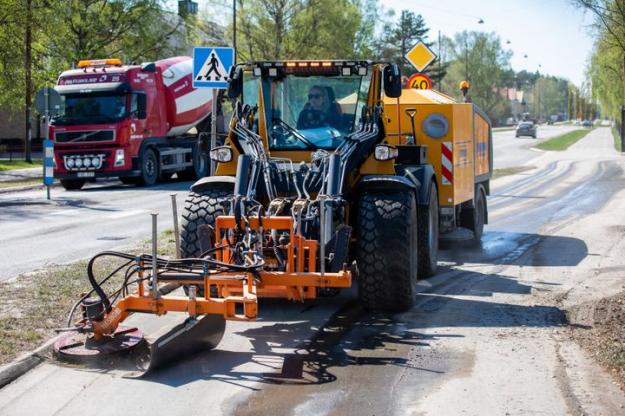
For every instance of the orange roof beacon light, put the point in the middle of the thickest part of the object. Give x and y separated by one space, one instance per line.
464 87
99 62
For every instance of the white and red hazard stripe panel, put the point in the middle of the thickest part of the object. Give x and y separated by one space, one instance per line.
447 163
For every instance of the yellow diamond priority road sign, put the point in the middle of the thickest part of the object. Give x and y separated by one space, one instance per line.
420 56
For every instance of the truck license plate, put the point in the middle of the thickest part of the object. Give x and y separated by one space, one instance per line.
86 174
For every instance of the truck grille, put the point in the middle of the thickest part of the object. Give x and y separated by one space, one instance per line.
84 136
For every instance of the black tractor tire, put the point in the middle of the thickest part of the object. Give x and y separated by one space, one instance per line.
479 216
201 207
72 184
150 171
200 168
387 251
428 235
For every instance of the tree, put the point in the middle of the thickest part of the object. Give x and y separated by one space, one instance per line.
480 58
303 29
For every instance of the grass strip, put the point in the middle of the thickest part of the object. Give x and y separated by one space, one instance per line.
33 305
617 140
498 173
18 164
564 141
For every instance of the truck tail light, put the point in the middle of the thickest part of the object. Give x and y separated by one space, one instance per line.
119 157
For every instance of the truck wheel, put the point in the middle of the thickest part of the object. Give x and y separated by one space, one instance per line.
72 184
149 168
199 170
201 207
427 220
479 216
387 251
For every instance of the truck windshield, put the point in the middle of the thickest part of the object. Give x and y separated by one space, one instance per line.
314 112
91 108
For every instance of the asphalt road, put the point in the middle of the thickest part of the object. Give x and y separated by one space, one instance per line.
513 151
77 224
487 335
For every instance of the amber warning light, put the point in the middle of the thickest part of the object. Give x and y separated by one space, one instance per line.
99 62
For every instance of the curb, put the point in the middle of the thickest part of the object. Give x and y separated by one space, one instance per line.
24 188
25 363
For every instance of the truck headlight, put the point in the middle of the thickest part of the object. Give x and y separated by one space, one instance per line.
86 162
69 162
384 152
119 157
222 154
78 162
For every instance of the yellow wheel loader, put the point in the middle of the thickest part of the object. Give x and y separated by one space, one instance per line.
330 173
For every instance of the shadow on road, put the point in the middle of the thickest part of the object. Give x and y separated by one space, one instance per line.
517 249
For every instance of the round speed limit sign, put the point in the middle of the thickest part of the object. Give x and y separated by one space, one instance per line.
420 82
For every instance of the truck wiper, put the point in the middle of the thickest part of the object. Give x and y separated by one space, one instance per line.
295 133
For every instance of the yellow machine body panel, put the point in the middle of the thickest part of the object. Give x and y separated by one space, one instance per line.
459 155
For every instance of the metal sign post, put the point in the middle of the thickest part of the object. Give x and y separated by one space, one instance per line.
214 128
211 67
47 102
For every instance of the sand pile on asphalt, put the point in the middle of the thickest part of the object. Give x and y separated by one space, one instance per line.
599 327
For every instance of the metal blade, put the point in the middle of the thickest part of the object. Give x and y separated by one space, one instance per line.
181 342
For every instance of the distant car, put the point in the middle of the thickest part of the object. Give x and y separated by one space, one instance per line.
526 128
587 123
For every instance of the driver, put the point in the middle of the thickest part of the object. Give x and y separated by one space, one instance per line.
319 111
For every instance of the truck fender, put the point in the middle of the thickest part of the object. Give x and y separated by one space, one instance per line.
209 181
425 176
387 183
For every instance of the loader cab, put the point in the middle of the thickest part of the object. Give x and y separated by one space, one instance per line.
306 106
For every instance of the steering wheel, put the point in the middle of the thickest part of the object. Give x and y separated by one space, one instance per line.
310 119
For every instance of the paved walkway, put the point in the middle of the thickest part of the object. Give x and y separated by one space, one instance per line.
21 174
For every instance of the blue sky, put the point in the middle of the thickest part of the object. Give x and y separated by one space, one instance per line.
553 33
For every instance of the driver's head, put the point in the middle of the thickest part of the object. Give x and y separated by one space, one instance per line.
318 98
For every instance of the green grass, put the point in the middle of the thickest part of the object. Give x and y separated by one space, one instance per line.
563 141
34 304
18 164
498 173
617 140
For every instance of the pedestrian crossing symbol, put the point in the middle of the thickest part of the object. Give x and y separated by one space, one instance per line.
211 67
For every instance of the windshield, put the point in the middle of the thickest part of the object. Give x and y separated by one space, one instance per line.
91 108
314 112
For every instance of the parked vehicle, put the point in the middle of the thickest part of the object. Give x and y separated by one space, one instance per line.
526 128
587 124
130 122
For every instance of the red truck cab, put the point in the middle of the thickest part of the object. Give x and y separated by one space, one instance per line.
129 121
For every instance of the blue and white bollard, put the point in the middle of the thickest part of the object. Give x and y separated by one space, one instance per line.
48 164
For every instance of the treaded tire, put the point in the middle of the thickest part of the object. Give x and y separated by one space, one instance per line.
72 184
200 208
428 234
150 171
479 216
387 251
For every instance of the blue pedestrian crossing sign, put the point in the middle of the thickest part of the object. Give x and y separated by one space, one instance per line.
211 67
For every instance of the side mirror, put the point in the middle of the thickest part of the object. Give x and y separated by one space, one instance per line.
235 85
392 81
141 106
